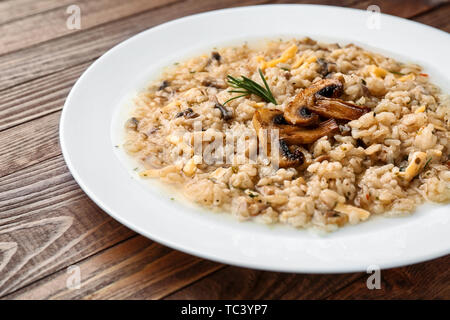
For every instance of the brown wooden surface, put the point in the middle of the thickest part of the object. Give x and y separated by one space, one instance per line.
48 224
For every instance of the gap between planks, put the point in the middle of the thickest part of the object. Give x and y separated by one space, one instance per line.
51 24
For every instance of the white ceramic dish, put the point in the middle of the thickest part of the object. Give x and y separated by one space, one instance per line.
91 120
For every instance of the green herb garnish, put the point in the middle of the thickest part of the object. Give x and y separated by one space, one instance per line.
252 195
397 73
427 163
247 87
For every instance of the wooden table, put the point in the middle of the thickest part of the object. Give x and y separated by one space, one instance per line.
50 231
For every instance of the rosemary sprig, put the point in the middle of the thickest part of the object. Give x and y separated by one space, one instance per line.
247 86
397 73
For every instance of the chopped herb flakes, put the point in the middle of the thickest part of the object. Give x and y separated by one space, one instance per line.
427 163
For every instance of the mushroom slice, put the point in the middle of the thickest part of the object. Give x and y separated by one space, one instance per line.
225 113
337 109
321 98
268 119
326 88
296 111
304 136
273 119
290 155
301 116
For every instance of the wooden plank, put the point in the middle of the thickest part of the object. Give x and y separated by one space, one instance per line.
437 18
47 223
401 8
429 280
65 52
26 191
240 283
38 97
11 10
44 199
52 24
47 189
29 143
135 269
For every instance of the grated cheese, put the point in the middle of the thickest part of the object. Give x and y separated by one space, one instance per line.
421 109
285 56
377 71
299 61
308 61
410 76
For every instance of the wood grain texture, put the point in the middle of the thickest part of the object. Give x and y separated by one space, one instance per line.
29 143
11 10
240 283
135 269
38 97
429 280
437 18
51 24
401 8
47 223
51 221
64 52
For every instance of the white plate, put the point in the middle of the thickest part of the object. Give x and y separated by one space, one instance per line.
89 124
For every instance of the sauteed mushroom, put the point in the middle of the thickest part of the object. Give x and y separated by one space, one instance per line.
300 116
305 136
226 114
187 113
164 85
268 119
325 67
132 124
338 109
290 155
274 119
290 136
321 98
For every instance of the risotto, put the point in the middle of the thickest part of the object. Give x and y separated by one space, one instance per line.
347 133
